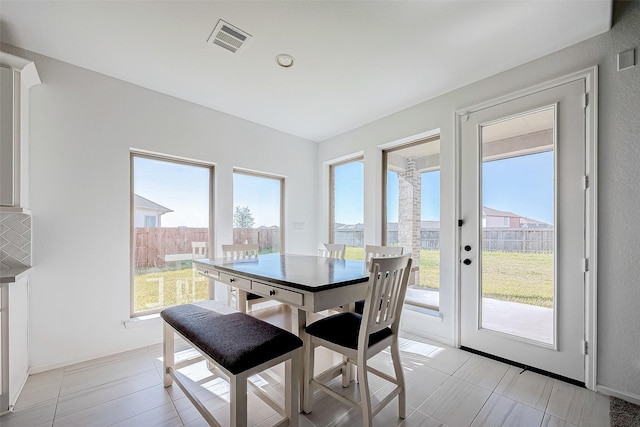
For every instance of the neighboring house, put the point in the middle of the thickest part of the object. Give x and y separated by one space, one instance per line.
147 213
493 218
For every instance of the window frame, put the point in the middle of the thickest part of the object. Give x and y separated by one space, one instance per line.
133 154
385 165
267 175
332 198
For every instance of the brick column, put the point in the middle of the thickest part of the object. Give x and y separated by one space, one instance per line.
409 203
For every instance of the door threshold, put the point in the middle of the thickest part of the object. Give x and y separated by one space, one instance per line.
525 367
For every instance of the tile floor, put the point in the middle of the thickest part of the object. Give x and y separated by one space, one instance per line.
445 387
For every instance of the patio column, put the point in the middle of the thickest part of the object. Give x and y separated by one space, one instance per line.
409 224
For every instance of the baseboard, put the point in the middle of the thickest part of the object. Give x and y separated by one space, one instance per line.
24 382
51 366
629 397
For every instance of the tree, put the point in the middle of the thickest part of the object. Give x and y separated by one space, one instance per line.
242 217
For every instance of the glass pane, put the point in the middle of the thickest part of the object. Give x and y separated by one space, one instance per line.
171 227
413 216
518 226
348 207
256 212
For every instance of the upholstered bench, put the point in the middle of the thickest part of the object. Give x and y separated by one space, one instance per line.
240 346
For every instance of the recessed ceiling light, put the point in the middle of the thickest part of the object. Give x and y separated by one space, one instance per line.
284 60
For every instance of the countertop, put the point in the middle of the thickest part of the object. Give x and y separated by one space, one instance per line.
12 275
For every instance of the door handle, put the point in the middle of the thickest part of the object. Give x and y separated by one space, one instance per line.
466 261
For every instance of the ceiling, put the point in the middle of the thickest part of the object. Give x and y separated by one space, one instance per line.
355 61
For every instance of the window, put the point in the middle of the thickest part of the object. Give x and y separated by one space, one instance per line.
170 212
150 221
412 215
347 206
257 211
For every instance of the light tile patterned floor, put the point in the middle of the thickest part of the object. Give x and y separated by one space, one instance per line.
445 387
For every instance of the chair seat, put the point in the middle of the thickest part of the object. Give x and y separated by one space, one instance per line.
343 329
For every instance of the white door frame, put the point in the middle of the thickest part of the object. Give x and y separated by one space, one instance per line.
590 75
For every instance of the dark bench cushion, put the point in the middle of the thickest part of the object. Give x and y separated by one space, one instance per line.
235 341
343 329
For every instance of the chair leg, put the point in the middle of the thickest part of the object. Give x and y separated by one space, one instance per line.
168 354
307 387
397 366
292 387
365 396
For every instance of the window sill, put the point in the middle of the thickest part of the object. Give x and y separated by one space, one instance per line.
136 322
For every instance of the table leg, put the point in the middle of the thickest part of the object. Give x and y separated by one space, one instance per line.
304 386
242 300
212 289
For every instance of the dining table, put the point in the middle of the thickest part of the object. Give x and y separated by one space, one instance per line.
309 284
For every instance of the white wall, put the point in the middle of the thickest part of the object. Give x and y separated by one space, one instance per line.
82 127
619 179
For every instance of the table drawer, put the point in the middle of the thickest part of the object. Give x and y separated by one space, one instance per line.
284 295
206 271
235 281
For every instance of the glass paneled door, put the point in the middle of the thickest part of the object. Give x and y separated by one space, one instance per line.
522 241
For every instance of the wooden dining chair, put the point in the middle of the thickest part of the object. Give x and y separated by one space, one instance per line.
332 250
246 252
199 250
360 337
371 251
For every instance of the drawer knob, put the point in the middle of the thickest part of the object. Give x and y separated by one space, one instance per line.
272 292
232 280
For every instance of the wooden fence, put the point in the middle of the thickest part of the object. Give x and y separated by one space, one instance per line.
153 245
268 239
494 239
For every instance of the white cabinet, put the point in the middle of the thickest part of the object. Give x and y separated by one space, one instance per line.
17 76
14 347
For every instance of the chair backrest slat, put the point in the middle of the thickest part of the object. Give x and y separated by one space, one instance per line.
240 251
199 250
371 251
388 277
332 250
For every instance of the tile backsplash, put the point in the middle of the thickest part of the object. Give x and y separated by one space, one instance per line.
15 240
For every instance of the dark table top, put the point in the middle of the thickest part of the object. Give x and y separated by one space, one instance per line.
308 273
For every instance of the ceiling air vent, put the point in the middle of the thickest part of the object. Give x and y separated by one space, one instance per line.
229 37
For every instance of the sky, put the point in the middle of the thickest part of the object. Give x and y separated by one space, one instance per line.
181 188
522 185
185 190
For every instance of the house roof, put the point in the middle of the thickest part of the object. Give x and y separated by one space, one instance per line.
495 212
141 202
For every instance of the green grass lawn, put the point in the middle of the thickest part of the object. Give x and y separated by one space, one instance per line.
507 276
167 288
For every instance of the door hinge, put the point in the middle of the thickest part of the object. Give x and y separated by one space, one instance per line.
460 222
585 182
585 348
585 100
585 265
